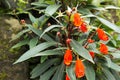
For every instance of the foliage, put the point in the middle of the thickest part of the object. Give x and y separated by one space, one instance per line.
72 38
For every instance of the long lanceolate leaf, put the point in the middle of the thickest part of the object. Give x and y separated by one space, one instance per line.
42 67
30 53
70 72
50 52
21 43
78 48
49 28
59 74
20 34
32 18
48 74
115 74
33 42
39 32
112 65
108 74
89 71
106 22
110 25
50 10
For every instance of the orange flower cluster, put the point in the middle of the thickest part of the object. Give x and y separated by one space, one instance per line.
78 22
104 37
79 66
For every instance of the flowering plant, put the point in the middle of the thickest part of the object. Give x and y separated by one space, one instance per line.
69 44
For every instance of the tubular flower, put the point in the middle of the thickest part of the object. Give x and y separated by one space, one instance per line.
103 48
68 57
102 35
79 68
92 54
83 27
67 77
77 20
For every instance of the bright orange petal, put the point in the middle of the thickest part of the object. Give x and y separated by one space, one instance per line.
77 20
90 40
83 27
102 35
92 54
79 69
103 48
68 57
67 77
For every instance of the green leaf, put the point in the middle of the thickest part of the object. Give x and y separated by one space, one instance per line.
33 51
105 22
50 2
96 2
112 65
38 4
84 11
89 15
70 71
20 34
49 28
116 55
50 10
47 75
108 74
43 58
78 48
111 7
21 43
93 47
39 32
115 74
36 31
42 67
33 42
89 71
42 20
32 18
109 24
50 52
59 74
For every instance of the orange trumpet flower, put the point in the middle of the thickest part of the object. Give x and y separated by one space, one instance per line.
77 20
102 35
68 57
103 48
79 68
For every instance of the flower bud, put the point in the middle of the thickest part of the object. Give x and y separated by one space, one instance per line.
68 41
58 33
22 21
90 40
